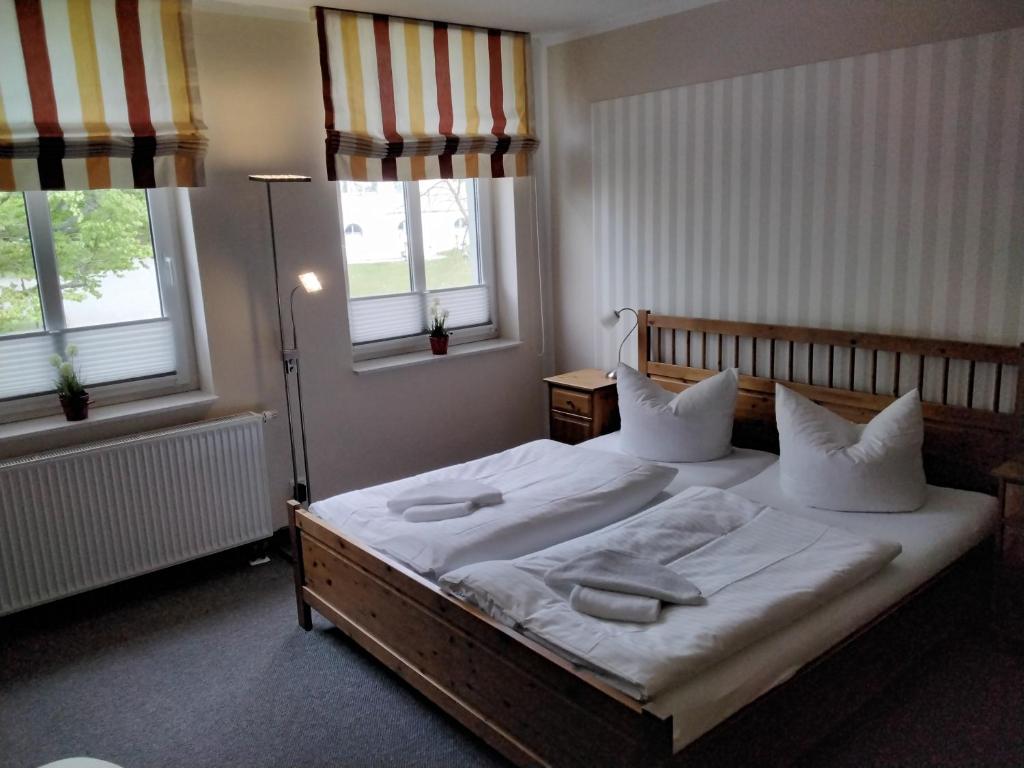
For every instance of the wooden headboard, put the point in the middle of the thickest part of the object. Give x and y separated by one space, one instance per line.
972 394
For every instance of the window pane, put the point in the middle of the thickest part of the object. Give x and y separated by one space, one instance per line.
376 246
449 239
104 256
19 297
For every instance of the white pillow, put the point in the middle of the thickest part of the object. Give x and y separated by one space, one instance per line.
694 425
831 463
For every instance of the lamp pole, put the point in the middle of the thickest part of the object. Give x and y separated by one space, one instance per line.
300 491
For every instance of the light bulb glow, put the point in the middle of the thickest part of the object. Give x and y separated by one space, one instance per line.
310 282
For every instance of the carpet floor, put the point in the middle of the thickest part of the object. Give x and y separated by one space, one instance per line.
205 666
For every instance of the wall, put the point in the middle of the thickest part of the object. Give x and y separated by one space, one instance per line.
877 192
260 89
709 44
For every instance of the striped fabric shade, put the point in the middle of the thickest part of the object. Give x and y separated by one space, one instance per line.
407 99
98 94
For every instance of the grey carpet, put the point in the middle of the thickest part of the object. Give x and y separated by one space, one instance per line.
205 666
211 673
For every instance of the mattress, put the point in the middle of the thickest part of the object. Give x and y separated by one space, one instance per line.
740 465
949 524
552 492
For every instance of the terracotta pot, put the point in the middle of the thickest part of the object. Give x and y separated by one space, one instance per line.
439 344
75 408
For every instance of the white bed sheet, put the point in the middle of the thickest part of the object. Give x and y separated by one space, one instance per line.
946 527
760 569
552 492
740 465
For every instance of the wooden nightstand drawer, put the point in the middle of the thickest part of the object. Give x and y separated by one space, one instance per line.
570 429
570 402
1013 504
1013 547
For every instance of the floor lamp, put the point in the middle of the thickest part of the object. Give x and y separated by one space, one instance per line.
290 357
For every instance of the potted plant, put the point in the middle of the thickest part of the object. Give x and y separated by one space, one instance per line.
73 397
438 329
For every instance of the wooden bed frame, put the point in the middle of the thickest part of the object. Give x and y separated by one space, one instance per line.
537 708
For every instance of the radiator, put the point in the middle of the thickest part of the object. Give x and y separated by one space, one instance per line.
78 518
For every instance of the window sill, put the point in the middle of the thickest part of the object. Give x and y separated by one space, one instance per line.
107 414
421 358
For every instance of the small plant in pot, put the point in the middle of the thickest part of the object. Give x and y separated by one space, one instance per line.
73 397
438 329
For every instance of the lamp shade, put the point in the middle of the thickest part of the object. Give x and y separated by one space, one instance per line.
272 178
310 282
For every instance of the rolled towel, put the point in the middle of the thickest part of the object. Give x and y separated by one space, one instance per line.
428 513
617 571
615 606
445 492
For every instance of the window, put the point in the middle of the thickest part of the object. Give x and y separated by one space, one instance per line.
407 244
97 269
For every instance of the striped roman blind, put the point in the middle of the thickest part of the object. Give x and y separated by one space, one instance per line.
98 94
407 99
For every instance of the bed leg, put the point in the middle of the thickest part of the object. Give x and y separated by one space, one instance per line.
305 614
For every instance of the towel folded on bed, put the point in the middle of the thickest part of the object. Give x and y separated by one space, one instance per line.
617 571
427 513
615 606
615 585
446 492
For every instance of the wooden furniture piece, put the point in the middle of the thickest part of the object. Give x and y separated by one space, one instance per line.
1008 608
582 404
539 709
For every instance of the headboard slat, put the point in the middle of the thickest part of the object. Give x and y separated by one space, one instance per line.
964 437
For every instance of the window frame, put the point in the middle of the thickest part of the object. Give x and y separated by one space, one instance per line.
165 222
481 205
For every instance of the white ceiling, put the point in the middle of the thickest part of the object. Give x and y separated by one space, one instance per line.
552 19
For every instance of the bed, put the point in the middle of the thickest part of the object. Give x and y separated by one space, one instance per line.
538 708
735 671
552 492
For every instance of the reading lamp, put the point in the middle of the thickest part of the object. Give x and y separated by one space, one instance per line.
610 321
290 357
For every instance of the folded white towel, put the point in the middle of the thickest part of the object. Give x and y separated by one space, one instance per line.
616 571
615 606
446 492
427 513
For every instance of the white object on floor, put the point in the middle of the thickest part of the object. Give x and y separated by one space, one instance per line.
737 466
552 492
429 513
693 425
932 537
831 463
80 762
445 492
760 569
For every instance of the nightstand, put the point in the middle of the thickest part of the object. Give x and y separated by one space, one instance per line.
582 404
1009 597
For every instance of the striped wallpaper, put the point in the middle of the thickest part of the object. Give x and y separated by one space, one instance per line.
882 192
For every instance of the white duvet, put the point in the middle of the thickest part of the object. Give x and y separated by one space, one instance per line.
759 569
552 492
